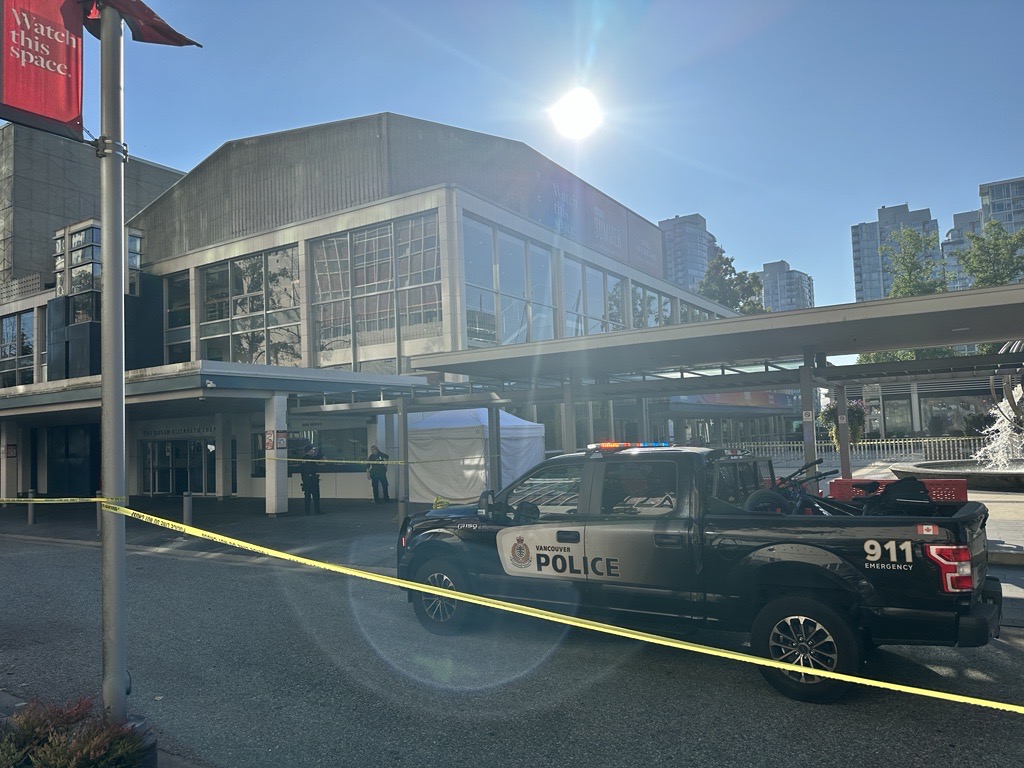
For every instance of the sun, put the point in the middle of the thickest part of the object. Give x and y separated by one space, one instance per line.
577 114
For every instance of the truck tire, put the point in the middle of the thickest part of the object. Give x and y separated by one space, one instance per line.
804 631
767 500
441 615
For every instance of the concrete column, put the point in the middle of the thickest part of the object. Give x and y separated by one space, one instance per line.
275 419
915 407
402 492
222 449
39 343
807 409
643 427
494 447
843 432
8 466
568 419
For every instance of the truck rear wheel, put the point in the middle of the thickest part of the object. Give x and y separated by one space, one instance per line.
811 634
441 615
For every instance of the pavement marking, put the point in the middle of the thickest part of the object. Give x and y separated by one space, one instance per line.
557 617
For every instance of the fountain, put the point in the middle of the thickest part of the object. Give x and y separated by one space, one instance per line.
999 465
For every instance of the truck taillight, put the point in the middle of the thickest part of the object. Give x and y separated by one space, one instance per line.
954 566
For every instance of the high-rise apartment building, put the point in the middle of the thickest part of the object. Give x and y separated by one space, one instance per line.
786 288
871 270
956 241
1003 201
688 248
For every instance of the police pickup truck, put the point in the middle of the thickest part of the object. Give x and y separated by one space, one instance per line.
641 535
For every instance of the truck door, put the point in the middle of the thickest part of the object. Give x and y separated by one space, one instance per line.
540 539
639 543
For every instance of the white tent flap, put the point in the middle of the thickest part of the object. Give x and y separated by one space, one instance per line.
448 453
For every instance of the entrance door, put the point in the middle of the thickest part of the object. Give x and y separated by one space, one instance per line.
171 467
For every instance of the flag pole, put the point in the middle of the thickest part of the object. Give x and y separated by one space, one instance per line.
112 153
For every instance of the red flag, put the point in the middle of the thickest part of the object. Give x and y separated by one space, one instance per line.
145 25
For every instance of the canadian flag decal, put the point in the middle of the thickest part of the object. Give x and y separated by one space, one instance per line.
927 530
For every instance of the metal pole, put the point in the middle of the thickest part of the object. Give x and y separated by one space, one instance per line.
31 506
186 508
112 436
403 458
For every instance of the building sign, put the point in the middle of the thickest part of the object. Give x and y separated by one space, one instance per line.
645 250
171 430
41 65
606 225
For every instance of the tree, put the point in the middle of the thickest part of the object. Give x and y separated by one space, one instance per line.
913 275
739 291
911 268
995 257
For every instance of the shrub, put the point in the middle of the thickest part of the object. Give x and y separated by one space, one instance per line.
936 425
71 736
975 424
856 418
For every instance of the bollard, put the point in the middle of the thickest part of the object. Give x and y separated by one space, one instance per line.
99 510
31 506
186 507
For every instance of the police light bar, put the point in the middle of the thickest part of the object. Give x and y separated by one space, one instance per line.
620 446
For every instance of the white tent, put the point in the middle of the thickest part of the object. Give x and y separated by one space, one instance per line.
448 453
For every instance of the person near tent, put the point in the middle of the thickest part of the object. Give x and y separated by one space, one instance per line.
377 471
310 474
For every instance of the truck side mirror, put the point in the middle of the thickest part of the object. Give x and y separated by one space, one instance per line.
485 504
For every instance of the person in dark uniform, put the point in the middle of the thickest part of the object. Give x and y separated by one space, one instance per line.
310 473
377 471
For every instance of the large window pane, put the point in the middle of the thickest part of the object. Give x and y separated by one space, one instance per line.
375 319
282 279
418 252
371 260
26 334
542 322
215 292
572 286
616 307
249 348
178 300
330 268
511 266
513 320
540 275
595 293
478 244
420 312
481 319
284 346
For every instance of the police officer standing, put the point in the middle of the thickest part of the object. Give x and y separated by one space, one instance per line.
310 473
377 471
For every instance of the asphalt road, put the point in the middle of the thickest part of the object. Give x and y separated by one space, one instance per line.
243 664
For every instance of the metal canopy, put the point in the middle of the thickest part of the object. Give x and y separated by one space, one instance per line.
962 317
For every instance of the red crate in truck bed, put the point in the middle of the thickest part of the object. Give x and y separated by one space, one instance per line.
954 489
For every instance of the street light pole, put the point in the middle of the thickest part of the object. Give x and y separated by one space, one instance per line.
112 420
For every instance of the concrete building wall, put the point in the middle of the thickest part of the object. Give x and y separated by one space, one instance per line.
46 182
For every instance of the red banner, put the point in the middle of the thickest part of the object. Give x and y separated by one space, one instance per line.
41 65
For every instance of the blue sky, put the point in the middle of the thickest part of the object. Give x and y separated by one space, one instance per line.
782 123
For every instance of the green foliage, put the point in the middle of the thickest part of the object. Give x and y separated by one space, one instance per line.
910 267
912 276
72 736
741 291
856 418
975 424
995 257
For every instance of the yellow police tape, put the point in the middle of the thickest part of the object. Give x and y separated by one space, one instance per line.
48 500
549 615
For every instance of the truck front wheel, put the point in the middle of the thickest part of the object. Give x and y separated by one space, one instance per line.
441 615
808 633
